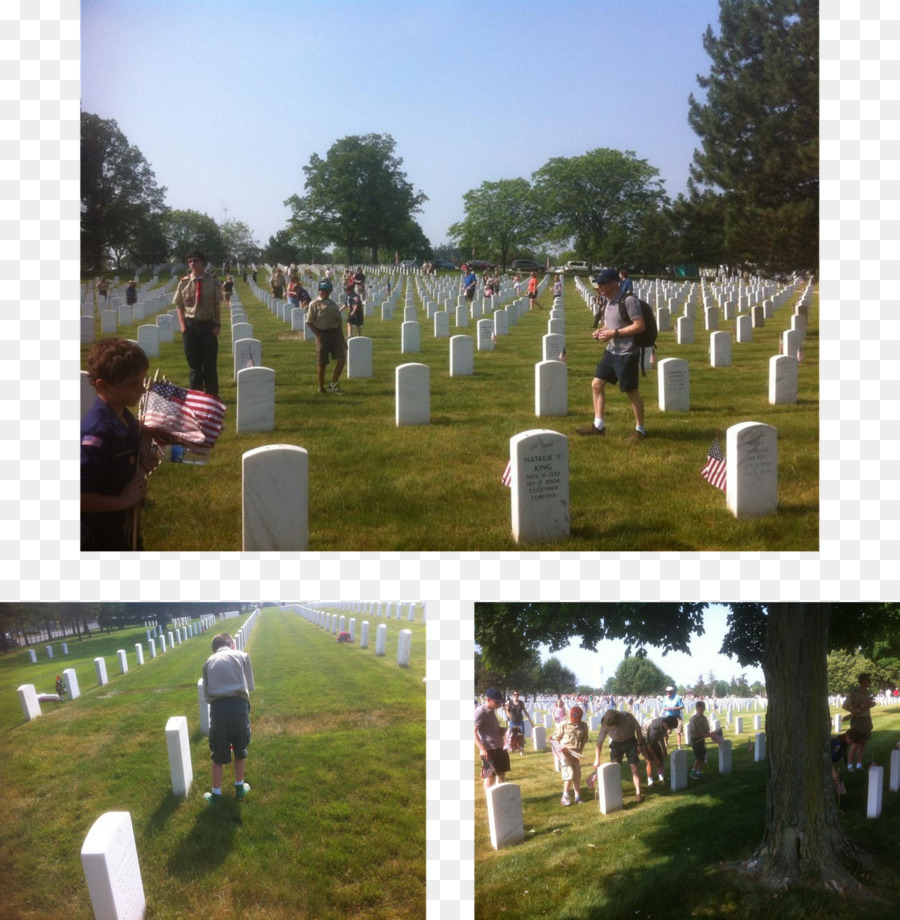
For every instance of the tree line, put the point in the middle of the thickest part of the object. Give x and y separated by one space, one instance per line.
752 196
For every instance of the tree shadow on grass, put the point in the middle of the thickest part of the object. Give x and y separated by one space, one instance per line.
209 842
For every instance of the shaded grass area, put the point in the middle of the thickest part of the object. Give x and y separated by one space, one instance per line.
374 486
334 825
673 855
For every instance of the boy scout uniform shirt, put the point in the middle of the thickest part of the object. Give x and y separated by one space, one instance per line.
572 736
323 314
109 452
202 308
228 672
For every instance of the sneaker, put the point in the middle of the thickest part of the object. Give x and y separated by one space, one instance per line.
592 430
577 799
241 791
661 778
565 800
849 767
649 783
212 798
695 775
637 435
334 388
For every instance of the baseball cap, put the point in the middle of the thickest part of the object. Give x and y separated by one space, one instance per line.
669 688
494 694
607 276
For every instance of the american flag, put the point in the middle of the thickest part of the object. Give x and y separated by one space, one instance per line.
506 478
714 471
177 416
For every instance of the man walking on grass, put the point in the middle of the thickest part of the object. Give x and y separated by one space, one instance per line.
324 318
622 320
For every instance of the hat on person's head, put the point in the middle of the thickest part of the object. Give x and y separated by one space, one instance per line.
670 688
575 714
493 694
610 718
326 286
607 276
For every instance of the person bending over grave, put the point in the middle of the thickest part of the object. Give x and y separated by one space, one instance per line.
657 732
324 318
699 731
625 739
198 300
489 739
110 446
572 736
840 745
622 320
227 682
859 704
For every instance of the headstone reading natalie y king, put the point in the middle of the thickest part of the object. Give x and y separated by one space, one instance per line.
505 820
751 487
110 862
540 486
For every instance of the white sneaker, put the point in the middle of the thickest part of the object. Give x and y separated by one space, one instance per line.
565 800
662 779
649 782
849 767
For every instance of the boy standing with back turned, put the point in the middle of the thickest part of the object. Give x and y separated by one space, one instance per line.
227 682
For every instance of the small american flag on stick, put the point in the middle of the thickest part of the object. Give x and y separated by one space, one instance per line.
714 471
506 478
173 415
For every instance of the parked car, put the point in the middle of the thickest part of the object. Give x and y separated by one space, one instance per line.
526 265
479 264
574 268
443 265
411 263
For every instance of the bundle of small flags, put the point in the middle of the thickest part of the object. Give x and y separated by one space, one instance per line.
173 415
714 471
506 478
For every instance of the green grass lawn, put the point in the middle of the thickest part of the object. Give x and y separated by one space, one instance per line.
673 855
374 486
334 825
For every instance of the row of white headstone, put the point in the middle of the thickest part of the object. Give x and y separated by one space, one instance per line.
335 623
28 698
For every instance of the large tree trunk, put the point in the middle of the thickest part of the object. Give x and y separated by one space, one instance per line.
804 841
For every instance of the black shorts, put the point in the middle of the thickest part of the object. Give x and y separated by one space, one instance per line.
699 748
498 759
622 369
228 730
628 748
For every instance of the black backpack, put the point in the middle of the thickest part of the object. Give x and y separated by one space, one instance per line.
647 338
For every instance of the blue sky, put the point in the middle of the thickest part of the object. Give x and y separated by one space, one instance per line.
228 100
683 667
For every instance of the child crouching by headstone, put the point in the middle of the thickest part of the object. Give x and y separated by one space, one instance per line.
227 682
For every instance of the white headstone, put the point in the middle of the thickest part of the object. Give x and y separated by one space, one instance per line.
551 394
123 661
404 645
725 756
100 670
485 335
505 820
410 338
255 399
413 394
152 644
609 787
275 498
110 862
108 321
364 634
895 771
540 486
783 373
32 655
743 330
674 385
380 639
759 747
739 725
539 736
179 749
28 700
441 324
71 681
678 770
203 708
247 353
875 792
462 356
148 339
553 344
751 487
684 330
359 358
720 349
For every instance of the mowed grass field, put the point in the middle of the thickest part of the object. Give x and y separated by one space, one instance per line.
334 825
374 486
674 855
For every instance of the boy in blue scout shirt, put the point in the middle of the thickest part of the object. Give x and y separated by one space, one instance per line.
110 444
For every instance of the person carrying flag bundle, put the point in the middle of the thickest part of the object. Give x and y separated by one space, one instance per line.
110 447
569 740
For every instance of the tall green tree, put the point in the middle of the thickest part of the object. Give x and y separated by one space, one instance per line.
598 200
759 127
119 193
803 839
638 676
186 230
555 678
239 242
357 196
501 217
